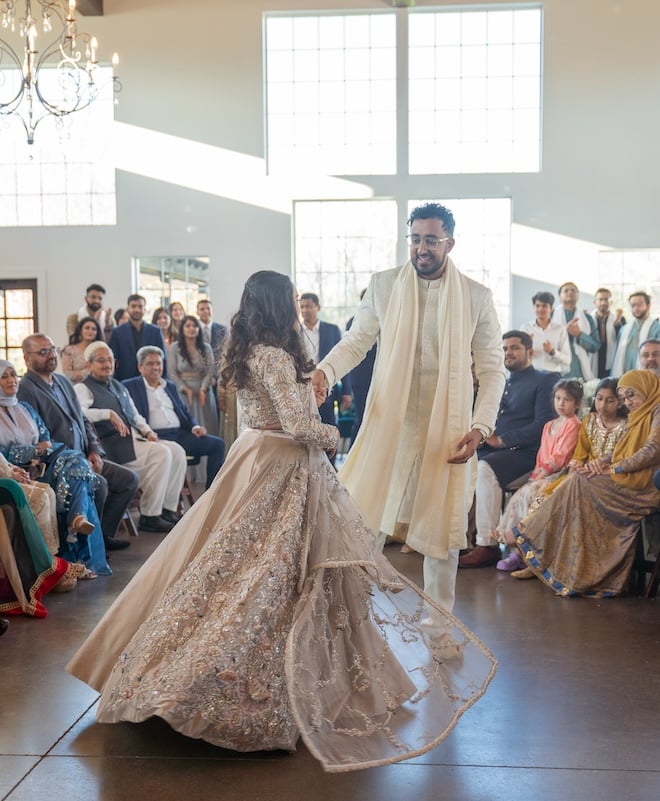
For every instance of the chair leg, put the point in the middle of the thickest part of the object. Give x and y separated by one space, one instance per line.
129 525
187 493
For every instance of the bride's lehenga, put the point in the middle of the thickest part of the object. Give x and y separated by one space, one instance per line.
268 613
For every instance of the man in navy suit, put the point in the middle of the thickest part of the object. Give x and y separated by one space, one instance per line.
158 401
128 338
510 452
319 339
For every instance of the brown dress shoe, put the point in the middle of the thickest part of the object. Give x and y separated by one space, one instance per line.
481 556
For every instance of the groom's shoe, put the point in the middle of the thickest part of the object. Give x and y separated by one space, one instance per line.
4 625
481 556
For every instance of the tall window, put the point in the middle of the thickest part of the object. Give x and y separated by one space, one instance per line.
338 245
626 271
475 90
18 318
62 178
331 93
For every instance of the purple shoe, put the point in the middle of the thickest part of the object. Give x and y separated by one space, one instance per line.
512 562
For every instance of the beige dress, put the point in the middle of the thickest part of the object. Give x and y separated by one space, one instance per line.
269 613
43 505
581 541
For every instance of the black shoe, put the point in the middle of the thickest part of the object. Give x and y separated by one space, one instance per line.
154 523
4 625
111 544
170 516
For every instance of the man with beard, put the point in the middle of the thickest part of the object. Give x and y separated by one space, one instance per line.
410 462
509 453
93 307
127 339
639 329
53 397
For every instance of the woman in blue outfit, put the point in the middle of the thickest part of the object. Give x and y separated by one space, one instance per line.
25 441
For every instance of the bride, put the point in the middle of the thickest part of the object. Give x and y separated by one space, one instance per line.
269 613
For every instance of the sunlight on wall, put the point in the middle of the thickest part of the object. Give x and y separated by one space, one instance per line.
220 172
553 258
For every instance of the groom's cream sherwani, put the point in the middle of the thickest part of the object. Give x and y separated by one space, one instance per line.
420 401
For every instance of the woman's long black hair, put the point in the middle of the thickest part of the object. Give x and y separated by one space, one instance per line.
267 316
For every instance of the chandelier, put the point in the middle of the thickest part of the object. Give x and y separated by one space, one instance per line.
54 80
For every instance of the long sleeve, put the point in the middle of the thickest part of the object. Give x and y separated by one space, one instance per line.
528 409
86 399
583 452
556 452
174 373
649 454
279 378
209 367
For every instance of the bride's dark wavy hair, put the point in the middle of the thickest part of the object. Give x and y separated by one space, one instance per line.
267 316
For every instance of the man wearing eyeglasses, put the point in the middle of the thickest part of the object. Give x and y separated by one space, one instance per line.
411 461
53 397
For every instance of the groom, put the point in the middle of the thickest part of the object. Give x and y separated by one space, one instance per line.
409 463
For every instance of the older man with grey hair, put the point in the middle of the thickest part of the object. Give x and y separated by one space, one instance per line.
129 440
159 403
649 355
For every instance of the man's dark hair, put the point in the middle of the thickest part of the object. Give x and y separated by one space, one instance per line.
544 297
136 297
434 211
649 342
310 296
640 294
602 290
204 300
524 338
95 288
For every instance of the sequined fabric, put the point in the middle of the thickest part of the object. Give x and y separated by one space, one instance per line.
268 613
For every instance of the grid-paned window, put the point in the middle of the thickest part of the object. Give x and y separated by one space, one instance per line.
475 90
18 318
331 93
62 179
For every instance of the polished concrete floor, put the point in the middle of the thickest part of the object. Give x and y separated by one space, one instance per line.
573 713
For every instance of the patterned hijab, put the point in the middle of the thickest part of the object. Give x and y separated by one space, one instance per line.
6 400
646 383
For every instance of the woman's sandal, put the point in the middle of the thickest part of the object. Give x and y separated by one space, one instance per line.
81 525
525 573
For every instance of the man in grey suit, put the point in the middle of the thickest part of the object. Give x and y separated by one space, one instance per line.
53 397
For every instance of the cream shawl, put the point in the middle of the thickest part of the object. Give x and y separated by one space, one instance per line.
619 364
442 497
583 356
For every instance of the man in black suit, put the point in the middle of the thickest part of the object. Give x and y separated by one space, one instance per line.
510 452
319 339
128 338
53 397
158 401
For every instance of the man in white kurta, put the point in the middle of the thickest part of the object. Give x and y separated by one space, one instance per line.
410 462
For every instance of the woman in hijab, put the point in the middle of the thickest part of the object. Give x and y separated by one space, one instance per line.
581 541
25 442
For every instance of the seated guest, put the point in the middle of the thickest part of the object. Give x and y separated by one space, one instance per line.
54 399
649 355
510 452
25 441
158 401
600 430
558 441
73 355
129 440
28 570
581 541
549 339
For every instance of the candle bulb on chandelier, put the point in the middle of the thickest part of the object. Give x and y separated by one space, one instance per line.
115 65
72 9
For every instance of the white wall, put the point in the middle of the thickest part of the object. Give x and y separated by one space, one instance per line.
193 70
